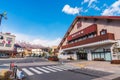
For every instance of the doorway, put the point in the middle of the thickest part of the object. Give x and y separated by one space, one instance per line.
81 56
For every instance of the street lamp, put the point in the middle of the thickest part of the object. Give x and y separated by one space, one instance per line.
3 15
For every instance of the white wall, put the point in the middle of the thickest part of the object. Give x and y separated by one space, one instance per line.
5 41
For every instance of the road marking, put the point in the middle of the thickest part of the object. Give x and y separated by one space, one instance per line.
69 67
42 70
49 69
27 71
66 67
59 67
38 72
54 68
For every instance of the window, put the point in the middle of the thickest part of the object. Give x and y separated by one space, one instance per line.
103 31
91 36
1 37
1 44
79 24
9 39
8 45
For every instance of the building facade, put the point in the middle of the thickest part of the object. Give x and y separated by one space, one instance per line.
91 38
7 42
19 50
37 52
54 51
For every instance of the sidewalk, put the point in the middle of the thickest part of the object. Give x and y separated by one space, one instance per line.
98 65
33 64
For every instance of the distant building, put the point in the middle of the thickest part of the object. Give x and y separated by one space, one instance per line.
27 51
31 49
92 38
18 50
54 50
7 42
37 51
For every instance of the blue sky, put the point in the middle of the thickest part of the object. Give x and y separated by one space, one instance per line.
46 21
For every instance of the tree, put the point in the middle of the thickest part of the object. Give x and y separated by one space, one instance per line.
50 51
3 15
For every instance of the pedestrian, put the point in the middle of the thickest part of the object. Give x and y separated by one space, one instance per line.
15 72
11 66
20 74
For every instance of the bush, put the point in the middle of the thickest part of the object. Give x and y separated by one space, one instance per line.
6 76
115 62
1 78
99 59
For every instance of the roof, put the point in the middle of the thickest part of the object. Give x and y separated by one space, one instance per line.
86 17
100 17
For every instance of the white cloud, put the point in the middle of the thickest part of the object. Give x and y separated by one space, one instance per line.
46 43
70 10
114 9
89 2
97 8
22 37
86 10
94 7
105 5
37 41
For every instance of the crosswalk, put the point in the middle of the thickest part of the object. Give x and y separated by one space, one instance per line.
46 69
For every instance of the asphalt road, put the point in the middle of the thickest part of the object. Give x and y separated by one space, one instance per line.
54 71
24 60
60 72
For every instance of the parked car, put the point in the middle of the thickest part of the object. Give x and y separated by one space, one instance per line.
53 58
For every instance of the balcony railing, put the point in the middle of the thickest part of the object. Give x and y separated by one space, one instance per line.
90 29
108 36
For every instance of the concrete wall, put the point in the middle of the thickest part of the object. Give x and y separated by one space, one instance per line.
112 27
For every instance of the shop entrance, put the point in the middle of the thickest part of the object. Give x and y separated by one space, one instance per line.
81 56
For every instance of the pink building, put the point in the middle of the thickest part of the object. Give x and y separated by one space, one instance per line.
91 38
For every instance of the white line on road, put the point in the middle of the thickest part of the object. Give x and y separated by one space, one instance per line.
38 72
49 69
60 67
54 68
42 70
27 71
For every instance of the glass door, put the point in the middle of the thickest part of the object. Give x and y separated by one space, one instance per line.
108 56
